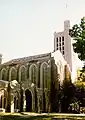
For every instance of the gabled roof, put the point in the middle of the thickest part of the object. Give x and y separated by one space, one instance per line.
29 58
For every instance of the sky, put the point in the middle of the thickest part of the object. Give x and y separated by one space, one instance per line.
27 26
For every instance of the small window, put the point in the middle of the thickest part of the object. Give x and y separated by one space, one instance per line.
63 52
62 43
57 48
59 39
63 48
60 48
63 38
59 44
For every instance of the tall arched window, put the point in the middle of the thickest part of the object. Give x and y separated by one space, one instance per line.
13 74
33 73
22 73
3 74
44 75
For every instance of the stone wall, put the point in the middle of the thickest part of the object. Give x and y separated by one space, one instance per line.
35 76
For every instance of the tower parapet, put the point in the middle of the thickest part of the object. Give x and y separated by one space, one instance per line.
66 25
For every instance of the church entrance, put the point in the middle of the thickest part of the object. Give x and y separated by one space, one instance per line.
28 101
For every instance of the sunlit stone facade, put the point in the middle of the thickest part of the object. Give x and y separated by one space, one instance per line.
37 80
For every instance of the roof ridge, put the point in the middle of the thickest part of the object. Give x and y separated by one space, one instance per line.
34 57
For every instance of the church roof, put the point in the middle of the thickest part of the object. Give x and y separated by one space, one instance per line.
25 59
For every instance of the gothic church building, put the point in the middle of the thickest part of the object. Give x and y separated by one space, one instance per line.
37 82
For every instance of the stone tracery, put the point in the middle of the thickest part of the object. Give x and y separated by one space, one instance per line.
33 73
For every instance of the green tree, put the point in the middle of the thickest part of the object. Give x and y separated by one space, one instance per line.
67 89
67 75
78 34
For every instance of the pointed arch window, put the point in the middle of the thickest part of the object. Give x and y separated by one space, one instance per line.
45 75
33 74
23 74
13 74
3 74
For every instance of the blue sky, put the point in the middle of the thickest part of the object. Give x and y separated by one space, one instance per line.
27 26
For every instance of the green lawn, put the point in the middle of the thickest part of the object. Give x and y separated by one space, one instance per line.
33 116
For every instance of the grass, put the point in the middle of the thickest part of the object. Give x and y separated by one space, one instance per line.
33 116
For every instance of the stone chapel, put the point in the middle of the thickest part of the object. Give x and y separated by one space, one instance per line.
35 84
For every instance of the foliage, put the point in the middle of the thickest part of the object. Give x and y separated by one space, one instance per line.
81 80
67 76
68 91
79 84
78 34
81 75
73 94
75 106
80 92
83 68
